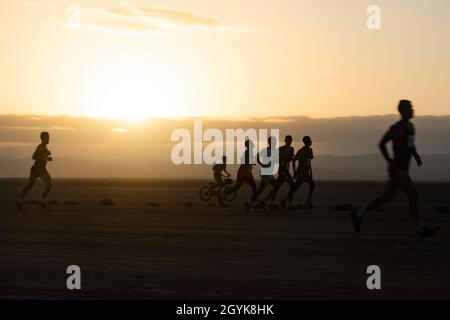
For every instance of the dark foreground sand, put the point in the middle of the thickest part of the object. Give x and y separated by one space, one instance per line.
179 252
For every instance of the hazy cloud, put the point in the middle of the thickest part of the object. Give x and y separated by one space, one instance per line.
337 136
147 21
130 27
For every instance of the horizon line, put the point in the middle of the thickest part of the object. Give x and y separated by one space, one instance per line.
215 118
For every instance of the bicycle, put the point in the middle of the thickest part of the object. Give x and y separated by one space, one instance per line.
206 193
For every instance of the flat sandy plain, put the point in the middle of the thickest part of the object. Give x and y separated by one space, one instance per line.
183 248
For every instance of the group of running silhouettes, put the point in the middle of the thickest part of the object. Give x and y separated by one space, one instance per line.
286 156
401 134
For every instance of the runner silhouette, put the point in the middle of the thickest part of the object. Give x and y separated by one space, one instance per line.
245 175
402 135
262 159
303 173
286 153
39 170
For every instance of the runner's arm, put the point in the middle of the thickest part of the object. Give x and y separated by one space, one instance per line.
382 145
310 165
418 159
294 166
416 155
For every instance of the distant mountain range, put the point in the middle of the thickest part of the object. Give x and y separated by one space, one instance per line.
345 148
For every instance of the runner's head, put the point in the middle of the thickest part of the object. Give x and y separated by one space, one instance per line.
406 109
249 144
224 160
45 137
288 140
307 141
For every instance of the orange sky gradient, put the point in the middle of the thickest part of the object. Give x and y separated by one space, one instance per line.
223 59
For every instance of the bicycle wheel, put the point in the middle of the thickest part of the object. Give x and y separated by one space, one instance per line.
205 193
227 195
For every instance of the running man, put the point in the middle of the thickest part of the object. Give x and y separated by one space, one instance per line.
302 173
263 159
402 135
39 170
286 155
245 175
218 169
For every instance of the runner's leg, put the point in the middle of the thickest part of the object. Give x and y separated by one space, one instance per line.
273 193
388 194
282 177
288 178
251 182
261 188
406 184
48 184
290 196
312 186
31 182
240 180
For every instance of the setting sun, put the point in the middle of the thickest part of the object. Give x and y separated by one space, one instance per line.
134 90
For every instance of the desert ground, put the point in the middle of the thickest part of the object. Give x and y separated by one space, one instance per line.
160 241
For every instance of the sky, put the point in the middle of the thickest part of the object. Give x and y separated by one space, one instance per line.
135 59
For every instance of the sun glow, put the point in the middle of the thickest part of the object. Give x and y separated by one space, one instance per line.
134 90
